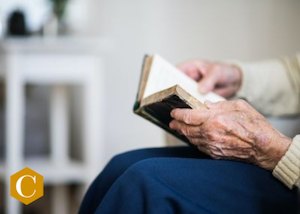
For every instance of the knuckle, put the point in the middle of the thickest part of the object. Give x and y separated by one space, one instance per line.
197 133
185 130
211 136
218 119
221 122
193 141
187 118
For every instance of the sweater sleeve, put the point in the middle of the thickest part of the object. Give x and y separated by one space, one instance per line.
272 86
288 168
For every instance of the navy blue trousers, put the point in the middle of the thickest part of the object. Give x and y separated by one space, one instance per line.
182 180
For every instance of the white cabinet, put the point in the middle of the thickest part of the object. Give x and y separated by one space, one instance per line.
57 62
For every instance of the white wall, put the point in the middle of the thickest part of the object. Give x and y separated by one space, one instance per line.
180 30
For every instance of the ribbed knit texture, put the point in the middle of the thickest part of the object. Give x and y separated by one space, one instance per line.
288 168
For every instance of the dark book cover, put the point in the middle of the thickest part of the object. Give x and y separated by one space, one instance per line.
159 113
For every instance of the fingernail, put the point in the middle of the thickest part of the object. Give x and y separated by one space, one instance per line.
172 113
171 125
208 103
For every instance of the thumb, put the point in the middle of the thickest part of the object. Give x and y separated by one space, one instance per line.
209 104
208 82
214 105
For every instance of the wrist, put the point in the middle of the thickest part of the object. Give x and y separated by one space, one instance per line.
281 148
274 151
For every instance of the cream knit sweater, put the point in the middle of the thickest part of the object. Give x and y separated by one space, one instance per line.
273 88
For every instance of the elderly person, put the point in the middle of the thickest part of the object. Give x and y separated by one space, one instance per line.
257 167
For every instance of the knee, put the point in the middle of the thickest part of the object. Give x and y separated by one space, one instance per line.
132 157
119 158
125 160
121 161
145 168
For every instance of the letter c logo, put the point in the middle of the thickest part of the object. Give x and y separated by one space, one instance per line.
19 182
26 185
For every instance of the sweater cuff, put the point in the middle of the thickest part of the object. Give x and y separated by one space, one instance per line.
288 168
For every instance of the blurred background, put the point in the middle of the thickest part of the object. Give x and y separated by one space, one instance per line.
70 70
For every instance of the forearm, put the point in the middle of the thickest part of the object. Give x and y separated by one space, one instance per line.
272 87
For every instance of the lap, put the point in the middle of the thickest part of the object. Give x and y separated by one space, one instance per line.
196 185
185 179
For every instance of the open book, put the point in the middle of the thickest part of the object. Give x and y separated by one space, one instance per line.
162 88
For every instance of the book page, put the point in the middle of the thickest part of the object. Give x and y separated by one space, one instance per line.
164 75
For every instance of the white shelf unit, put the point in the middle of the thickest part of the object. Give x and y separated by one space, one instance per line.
58 62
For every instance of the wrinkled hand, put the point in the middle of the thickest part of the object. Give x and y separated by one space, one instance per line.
223 79
232 130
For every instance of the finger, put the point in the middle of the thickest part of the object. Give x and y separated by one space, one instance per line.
192 72
208 82
226 91
175 126
214 105
187 130
194 69
190 116
209 104
222 105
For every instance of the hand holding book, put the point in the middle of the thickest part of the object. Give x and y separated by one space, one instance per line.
232 130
